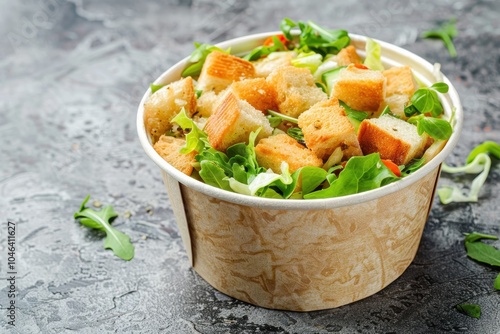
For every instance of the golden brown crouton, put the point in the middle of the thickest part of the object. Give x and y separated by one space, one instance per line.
207 103
400 86
257 92
264 66
168 148
221 69
166 103
360 88
232 122
326 127
296 90
347 55
393 138
400 80
272 151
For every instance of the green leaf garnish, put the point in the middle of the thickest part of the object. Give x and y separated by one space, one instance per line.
446 32
437 128
472 310
297 134
115 240
481 164
283 116
484 253
475 236
312 37
265 50
496 284
373 59
361 173
195 137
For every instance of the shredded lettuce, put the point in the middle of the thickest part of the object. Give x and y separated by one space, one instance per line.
373 58
481 164
310 60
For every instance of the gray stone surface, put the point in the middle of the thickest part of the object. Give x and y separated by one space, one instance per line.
71 77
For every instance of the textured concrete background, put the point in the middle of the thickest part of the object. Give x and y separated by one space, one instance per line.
71 77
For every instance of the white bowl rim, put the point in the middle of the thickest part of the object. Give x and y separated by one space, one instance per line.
304 204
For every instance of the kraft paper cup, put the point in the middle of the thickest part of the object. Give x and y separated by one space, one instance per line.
305 255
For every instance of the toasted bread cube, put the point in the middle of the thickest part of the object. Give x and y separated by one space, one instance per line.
168 148
264 66
360 88
393 138
166 103
296 90
232 122
207 103
272 151
257 92
326 127
399 81
347 56
221 69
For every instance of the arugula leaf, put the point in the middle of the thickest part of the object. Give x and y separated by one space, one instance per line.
472 310
481 164
446 32
312 37
195 137
485 147
496 284
360 174
212 174
283 116
115 240
373 59
197 58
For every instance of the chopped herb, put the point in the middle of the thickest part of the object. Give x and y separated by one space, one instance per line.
100 220
297 134
446 32
472 310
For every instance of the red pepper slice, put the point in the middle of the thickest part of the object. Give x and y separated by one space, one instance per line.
269 41
392 167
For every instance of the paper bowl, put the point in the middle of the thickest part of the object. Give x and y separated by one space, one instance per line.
304 255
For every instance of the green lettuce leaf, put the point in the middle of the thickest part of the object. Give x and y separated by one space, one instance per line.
360 174
481 164
373 58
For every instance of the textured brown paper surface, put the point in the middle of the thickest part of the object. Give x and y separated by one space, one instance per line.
305 260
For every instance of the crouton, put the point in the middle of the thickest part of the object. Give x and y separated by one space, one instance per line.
400 86
399 81
166 103
168 148
393 138
347 56
221 69
296 90
326 127
232 122
264 66
207 103
360 88
257 92
272 151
